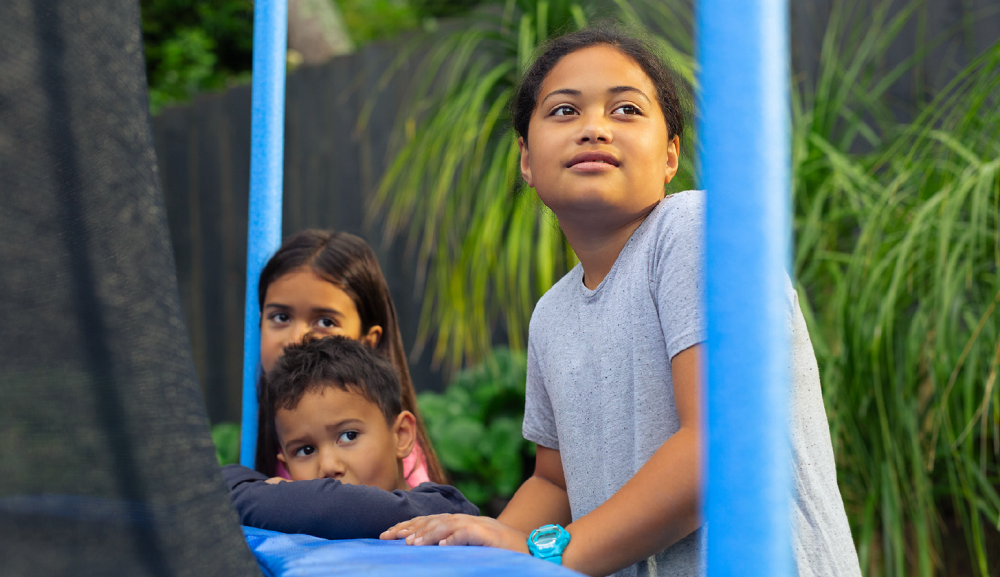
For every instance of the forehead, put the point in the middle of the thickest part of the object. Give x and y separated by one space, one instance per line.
303 284
326 406
595 69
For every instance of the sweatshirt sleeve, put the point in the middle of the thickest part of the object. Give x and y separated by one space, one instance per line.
330 509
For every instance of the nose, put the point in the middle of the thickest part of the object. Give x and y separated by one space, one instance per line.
331 466
594 129
297 333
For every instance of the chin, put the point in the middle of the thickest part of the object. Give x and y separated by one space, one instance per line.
588 201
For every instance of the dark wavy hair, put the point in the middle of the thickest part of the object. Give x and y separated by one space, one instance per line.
629 42
337 362
349 263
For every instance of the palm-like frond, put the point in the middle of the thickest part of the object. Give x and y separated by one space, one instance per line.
489 248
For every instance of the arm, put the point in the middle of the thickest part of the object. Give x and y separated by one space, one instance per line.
657 507
661 504
333 510
542 499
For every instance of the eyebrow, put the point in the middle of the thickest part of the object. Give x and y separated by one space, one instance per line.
612 90
279 306
345 422
570 91
620 89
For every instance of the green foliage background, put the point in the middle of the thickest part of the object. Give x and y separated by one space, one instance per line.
198 46
475 425
195 46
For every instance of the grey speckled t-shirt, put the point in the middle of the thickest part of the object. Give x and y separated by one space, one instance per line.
600 391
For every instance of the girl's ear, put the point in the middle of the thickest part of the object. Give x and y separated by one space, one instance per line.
525 164
404 430
373 337
281 457
673 158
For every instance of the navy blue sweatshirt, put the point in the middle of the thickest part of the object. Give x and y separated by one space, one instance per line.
333 510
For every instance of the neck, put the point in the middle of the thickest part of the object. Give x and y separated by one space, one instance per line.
597 243
401 484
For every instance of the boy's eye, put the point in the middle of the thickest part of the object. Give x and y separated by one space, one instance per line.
348 436
563 110
305 451
628 109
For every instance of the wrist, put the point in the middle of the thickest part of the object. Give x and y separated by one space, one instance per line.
548 542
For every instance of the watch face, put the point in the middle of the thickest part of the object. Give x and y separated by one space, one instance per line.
548 542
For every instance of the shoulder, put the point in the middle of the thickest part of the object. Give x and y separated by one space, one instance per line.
676 234
679 213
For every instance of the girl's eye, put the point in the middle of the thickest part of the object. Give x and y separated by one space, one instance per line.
627 109
326 323
348 436
563 110
305 451
280 317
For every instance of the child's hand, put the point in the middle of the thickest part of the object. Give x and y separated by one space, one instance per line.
458 530
276 480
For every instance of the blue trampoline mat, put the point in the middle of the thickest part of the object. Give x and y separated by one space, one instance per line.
284 555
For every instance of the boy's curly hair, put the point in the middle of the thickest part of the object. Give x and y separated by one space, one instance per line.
332 362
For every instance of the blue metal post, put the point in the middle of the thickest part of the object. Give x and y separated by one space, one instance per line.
744 131
270 37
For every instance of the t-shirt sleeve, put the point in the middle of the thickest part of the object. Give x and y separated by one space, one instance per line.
677 271
539 421
330 509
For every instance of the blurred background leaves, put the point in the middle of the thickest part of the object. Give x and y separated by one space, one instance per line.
475 425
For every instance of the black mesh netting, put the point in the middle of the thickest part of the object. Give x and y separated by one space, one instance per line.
106 463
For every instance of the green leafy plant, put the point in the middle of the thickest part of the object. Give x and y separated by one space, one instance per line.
226 437
193 47
475 425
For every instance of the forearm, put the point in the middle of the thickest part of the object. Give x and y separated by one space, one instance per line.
330 509
538 502
659 506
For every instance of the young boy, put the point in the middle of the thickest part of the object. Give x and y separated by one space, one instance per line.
343 435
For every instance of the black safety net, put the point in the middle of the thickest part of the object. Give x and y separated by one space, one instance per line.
106 462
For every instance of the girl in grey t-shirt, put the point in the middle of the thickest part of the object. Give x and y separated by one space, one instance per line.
613 350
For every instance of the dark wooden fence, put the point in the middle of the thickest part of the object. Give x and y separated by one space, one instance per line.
330 168
204 161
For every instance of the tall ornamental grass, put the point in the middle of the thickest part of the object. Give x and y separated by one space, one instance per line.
897 254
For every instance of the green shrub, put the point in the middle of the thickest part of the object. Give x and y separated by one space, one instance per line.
475 425
226 437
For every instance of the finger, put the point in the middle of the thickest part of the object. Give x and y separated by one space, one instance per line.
438 529
467 535
400 530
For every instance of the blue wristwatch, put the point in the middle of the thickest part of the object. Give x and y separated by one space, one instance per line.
548 542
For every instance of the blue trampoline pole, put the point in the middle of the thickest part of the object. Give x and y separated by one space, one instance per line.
744 131
270 37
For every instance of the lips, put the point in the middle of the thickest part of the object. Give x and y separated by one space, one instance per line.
593 157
